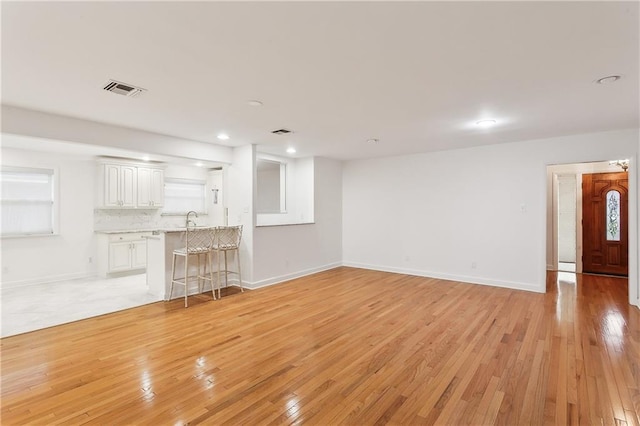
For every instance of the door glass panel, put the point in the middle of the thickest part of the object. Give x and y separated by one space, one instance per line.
613 216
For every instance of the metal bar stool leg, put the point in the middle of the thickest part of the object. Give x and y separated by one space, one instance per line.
239 272
186 279
173 275
209 262
219 277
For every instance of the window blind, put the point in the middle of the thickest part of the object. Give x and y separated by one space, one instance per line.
26 201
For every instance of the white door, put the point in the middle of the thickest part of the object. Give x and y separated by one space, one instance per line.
111 185
157 187
139 254
144 187
128 185
567 218
120 256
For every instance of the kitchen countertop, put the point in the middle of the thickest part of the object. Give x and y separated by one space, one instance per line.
128 231
124 231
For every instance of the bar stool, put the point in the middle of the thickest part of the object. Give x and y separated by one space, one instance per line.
226 239
199 241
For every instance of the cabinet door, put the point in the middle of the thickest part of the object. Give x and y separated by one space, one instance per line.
139 254
111 185
120 256
144 187
157 187
128 186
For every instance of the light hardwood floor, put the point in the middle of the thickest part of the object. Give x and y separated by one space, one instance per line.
346 346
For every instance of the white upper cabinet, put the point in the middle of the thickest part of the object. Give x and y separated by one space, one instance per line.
150 187
130 186
119 185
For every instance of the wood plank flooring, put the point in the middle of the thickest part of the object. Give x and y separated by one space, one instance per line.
345 346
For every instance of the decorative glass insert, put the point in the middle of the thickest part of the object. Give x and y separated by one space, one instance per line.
613 216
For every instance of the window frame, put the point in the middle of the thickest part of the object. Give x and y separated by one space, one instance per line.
55 200
166 212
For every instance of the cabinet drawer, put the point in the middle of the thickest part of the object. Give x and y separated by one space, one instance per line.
129 236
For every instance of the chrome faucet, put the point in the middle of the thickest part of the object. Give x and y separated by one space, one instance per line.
189 221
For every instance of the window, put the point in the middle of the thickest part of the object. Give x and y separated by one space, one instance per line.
271 186
613 216
182 196
27 201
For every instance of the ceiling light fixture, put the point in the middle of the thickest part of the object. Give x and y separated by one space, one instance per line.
199 164
608 79
145 158
291 150
254 103
223 136
486 123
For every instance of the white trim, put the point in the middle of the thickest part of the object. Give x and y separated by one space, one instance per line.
49 279
465 279
287 277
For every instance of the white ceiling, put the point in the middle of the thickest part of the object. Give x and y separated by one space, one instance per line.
415 75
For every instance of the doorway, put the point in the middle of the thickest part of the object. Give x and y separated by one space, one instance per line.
565 248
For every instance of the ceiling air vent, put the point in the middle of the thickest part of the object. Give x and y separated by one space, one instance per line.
281 132
124 89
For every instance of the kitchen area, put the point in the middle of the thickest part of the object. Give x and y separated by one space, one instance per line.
106 204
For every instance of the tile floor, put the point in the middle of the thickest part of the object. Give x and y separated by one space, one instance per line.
45 305
566 267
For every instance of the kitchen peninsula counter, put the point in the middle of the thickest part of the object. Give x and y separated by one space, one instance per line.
160 247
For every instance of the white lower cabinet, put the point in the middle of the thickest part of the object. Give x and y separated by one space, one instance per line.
120 256
123 252
139 254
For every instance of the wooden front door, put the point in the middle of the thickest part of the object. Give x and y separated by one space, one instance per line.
605 235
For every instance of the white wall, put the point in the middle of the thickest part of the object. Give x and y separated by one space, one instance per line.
289 251
240 182
215 181
305 183
20 121
476 215
28 260
635 163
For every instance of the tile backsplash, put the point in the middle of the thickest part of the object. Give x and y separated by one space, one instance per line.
114 220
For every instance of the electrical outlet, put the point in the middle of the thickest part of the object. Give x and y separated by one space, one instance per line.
90 259
474 265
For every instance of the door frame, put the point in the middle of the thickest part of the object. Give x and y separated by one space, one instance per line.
555 259
551 262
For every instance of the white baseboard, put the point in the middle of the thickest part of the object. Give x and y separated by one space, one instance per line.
279 279
48 279
449 277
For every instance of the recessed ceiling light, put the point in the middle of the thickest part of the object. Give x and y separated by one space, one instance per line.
199 164
254 103
145 158
373 140
486 123
291 150
223 136
608 79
